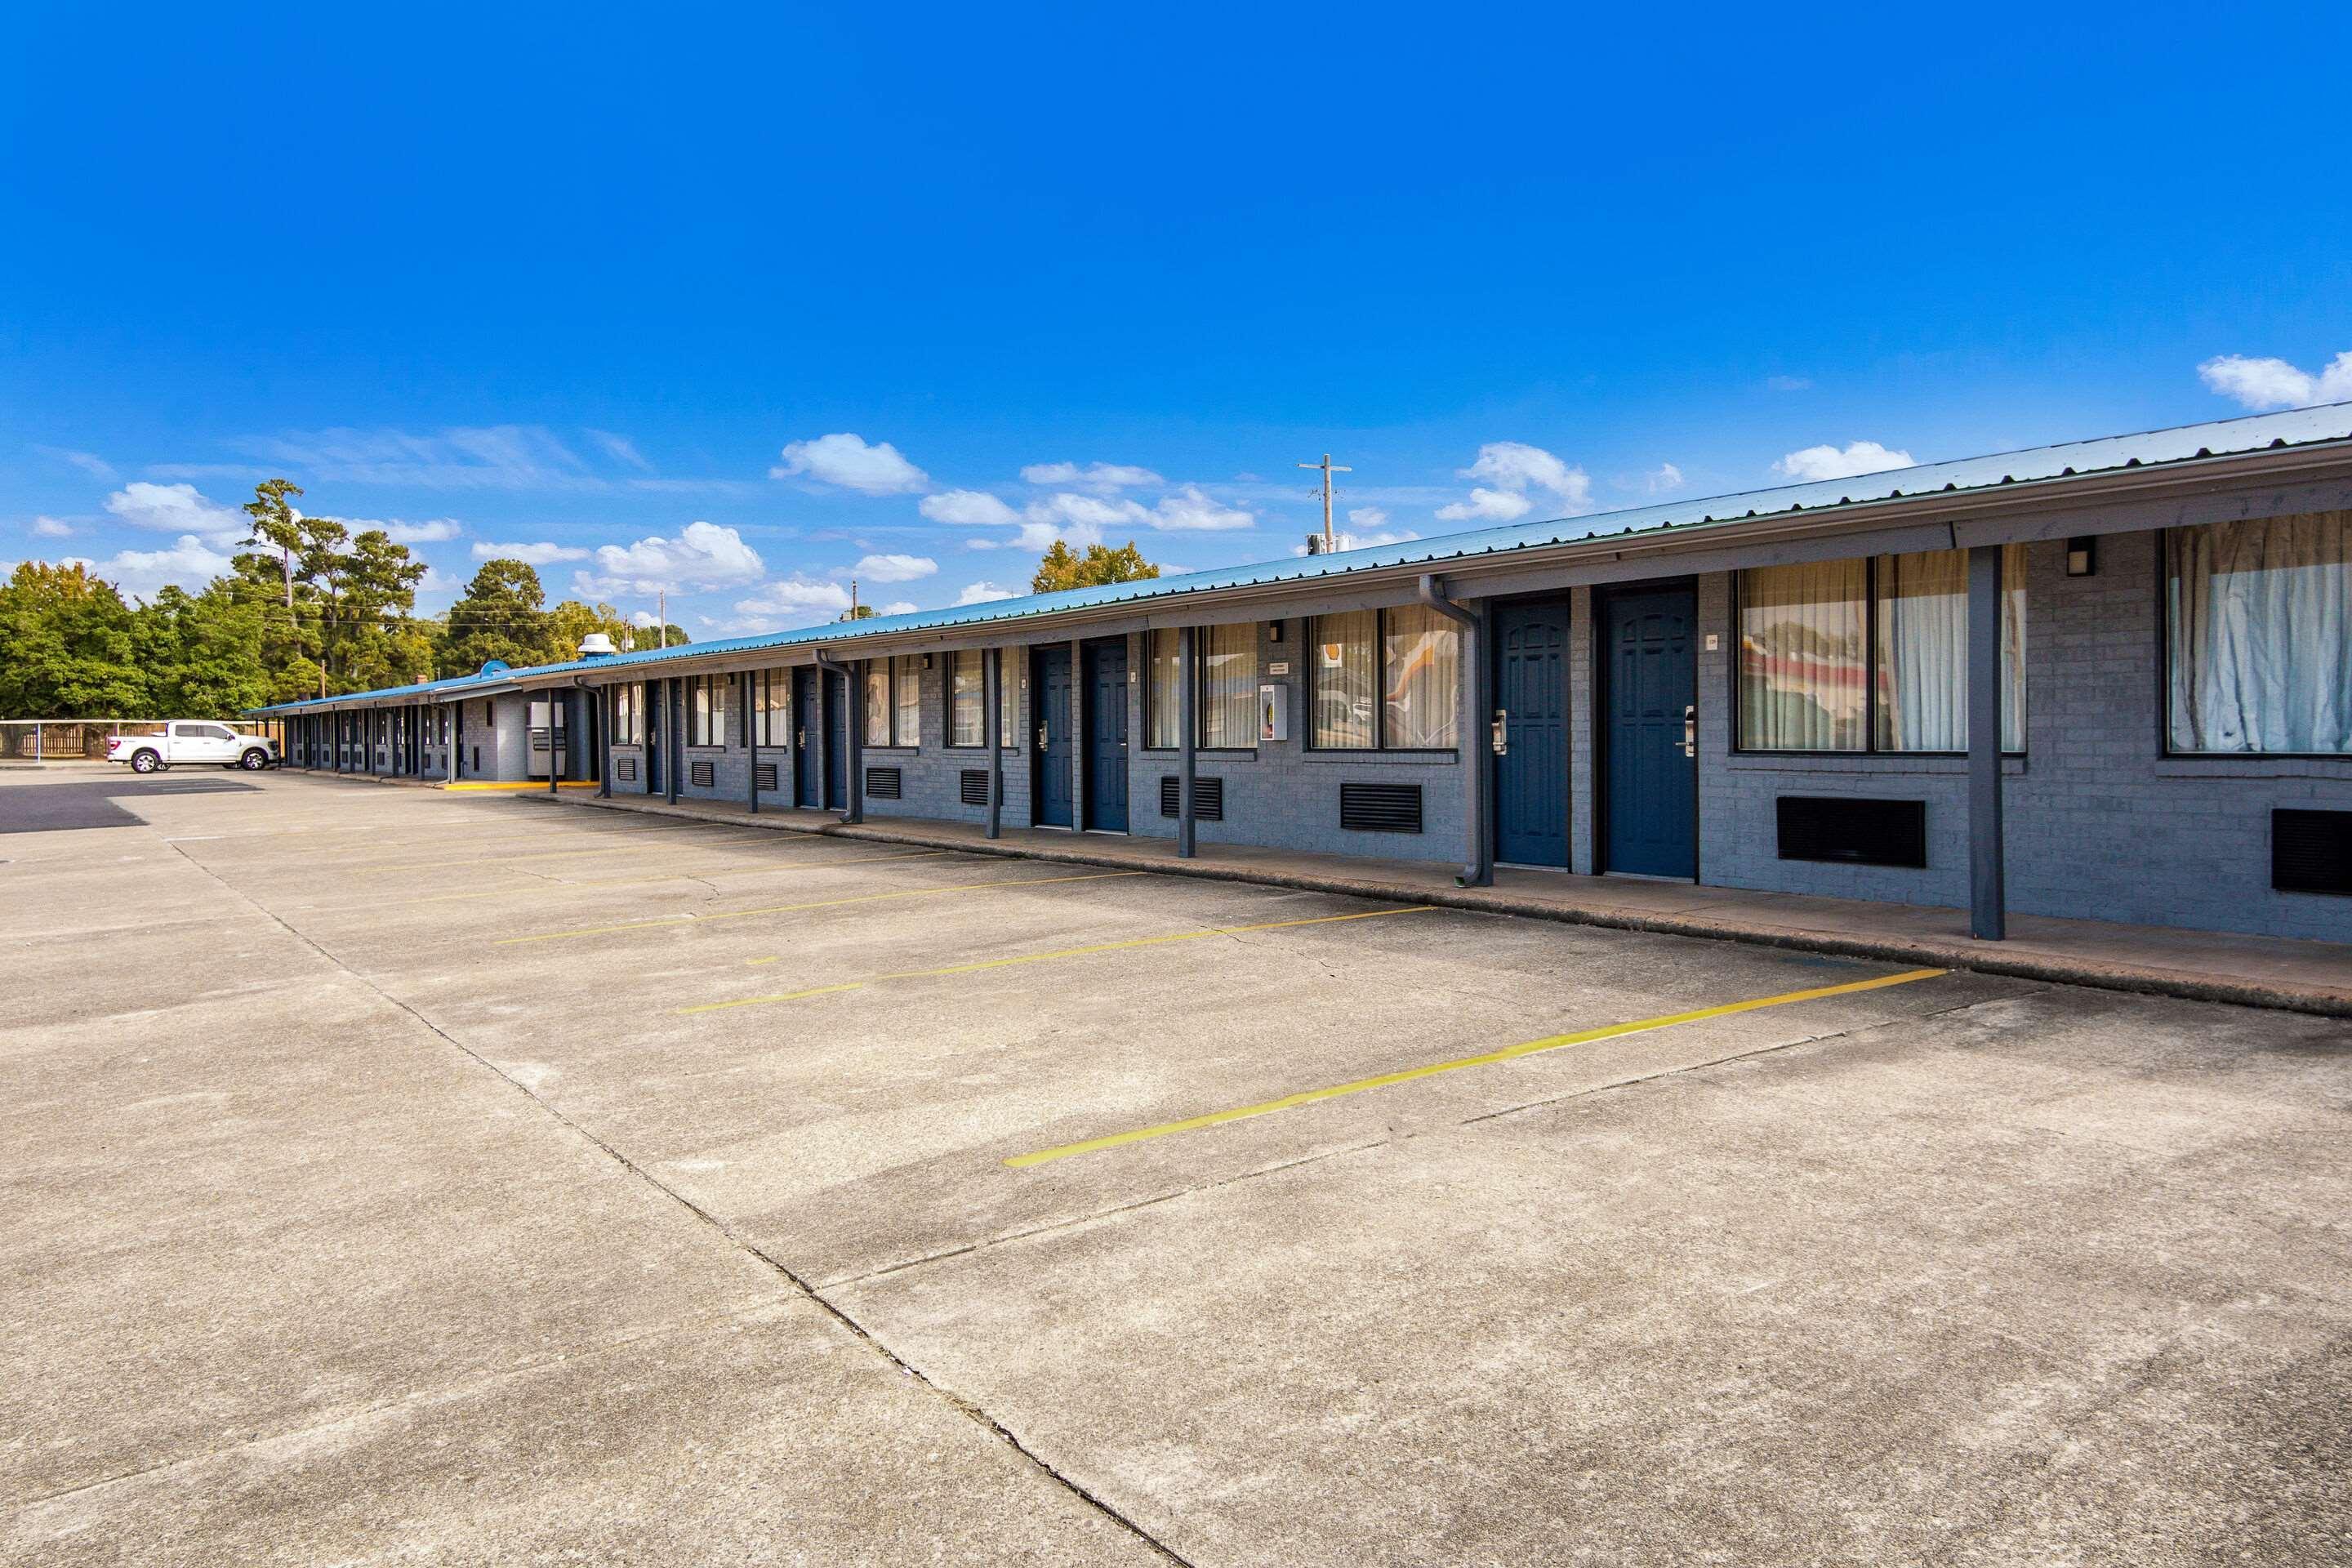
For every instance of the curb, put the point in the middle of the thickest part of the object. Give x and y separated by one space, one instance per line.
2326 1003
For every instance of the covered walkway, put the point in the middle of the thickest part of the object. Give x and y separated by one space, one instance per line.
2256 971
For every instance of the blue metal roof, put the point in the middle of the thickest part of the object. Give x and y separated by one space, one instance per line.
2295 428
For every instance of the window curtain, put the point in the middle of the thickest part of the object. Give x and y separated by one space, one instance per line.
1423 656
909 730
1008 701
1922 688
775 723
2259 625
1801 660
1347 680
877 702
1163 715
967 702
1229 685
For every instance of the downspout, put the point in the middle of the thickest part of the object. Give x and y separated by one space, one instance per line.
1188 651
1478 760
855 727
751 736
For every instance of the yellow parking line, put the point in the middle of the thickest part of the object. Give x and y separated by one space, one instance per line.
1488 1059
819 904
984 963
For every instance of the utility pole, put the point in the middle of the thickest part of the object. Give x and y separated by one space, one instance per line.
1329 543
661 612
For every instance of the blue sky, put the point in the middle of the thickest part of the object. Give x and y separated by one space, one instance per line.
744 303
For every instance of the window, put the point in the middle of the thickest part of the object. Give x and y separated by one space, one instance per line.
628 716
1227 704
1008 699
894 702
1163 713
967 699
1871 655
771 707
706 710
2258 634
1386 679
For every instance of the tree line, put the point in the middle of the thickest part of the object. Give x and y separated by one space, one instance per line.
308 609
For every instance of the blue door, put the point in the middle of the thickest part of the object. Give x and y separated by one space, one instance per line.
1056 748
1650 692
656 736
1107 734
808 733
1531 774
836 742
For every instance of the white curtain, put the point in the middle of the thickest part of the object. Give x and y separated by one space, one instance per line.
909 732
1229 685
1162 699
1802 661
877 702
2259 622
1423 656
968 702
1923 650
1345 680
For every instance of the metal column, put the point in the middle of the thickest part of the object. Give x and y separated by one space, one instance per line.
1188 649
1477 754
991 732
604 740
1988 914
751 736
673 739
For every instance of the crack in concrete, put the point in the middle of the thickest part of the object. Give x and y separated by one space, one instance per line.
968 1408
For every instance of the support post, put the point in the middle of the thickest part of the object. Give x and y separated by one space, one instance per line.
1987 913
1078 721
1187 695
992 733
605 741
554 750
672 737
1477 756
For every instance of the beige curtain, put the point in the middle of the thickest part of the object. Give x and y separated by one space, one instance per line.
1802 665
1424 679
877 703
909 732
968 699
1346 680
1162 698
1229 685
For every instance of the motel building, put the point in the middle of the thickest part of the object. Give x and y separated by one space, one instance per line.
2109 680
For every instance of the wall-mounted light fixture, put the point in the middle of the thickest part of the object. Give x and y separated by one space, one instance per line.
2083 556
1273 631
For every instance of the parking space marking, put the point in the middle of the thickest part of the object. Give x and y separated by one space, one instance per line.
819 904
1431 1069
542 885
986 963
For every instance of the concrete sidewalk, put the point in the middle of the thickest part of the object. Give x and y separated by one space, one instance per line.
2206 966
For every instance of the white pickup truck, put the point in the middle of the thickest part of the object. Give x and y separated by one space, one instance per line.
192 740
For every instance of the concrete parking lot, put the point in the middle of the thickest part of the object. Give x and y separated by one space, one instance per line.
401 1177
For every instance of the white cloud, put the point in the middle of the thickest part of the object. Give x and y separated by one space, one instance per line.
50 528
1079 519
89 463
540 553
438 530
178 509
847 461
621 449
1831 463
1486 506
1789 383
1368 517
967 507
435 581
2275 384
140 573
1040 536
1190 510
898 607
895 568
492 457
1103 476
1363 540
703 555
1510 469
794 601
1663 478
983 594
644 619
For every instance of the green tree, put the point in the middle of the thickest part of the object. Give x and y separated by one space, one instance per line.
571 621
1062 568
274 525
858 612
501 615
203 653
66 646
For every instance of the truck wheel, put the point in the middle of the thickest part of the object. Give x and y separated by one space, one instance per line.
144 761
253 760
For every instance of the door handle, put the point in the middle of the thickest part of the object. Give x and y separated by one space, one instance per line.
1501 737
800 737
1041 737
1690 732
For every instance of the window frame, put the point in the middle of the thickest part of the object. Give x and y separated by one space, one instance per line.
2164 747
715 715
1870 749
1200 691
1309 642
979 700
893 705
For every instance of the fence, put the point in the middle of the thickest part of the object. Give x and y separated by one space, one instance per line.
29 741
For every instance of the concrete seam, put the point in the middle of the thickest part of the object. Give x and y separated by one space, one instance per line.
970 1409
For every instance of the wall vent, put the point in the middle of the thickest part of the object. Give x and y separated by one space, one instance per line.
626 769
1380 807
883 783
1854 830
1208 798
763 778
2311 851
702 774
974 786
